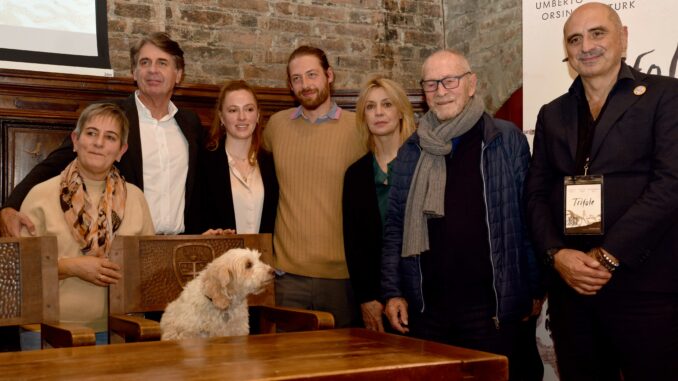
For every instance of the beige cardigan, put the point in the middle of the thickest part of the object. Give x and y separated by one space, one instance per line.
81 302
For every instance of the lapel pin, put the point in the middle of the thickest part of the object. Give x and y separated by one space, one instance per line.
640 90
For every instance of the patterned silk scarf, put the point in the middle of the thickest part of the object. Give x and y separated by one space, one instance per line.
92 227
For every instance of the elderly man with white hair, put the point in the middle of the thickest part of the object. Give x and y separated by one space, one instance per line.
457 266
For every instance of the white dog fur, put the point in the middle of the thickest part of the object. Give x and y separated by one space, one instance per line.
215 302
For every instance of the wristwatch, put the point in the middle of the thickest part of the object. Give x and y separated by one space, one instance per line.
548 259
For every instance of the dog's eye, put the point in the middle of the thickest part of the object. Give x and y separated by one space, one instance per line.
248 265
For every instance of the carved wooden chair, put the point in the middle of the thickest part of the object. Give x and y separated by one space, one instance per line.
156 268
29 291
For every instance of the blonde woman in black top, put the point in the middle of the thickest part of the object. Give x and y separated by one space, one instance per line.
385 117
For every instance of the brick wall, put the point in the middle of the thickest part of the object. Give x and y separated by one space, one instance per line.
251 39
489 32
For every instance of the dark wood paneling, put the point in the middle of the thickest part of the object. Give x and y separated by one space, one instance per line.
38 109
24 144
26 94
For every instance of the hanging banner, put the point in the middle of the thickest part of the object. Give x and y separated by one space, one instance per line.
652 48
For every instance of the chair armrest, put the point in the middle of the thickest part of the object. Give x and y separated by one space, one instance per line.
289 319
61 335
134 328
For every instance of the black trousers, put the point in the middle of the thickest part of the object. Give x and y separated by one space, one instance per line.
614 334
9 339
472 327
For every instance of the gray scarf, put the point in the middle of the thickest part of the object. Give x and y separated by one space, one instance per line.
426 198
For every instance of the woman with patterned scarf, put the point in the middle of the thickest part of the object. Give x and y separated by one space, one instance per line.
85 207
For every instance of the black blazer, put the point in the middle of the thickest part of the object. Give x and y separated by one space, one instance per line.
362 229
216 199
635 148
130 165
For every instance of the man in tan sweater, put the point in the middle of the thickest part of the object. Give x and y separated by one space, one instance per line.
312 146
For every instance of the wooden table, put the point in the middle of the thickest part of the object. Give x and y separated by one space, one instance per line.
342 354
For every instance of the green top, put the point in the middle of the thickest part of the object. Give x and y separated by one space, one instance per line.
382 182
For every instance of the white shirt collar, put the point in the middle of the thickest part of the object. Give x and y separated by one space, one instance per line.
146 113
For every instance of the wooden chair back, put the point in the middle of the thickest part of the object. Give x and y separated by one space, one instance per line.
29 291
156 268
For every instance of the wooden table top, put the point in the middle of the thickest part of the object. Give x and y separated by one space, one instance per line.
344 354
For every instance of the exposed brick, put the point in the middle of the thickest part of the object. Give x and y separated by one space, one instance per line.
367 4
399 19
419 38
117 25
254 5
119 63
330 45
242 56
391 5
361 17
283 25
241 38
406 51
284 9
391 35
139 11
432 10
221 72
206 18
118 44
248 21
204 53
252 39
253 72
141 27
276 57
186 33
358 46
408 6
349 30
428 25
316 12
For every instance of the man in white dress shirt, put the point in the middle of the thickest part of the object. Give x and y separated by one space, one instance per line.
163 144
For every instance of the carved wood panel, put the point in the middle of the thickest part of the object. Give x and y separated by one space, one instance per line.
28 281
25 144
156 268
10 280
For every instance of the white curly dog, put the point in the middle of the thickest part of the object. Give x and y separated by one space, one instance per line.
215 302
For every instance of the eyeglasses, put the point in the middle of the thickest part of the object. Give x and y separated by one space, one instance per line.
447 82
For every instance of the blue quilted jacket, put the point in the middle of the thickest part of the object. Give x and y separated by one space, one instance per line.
504 161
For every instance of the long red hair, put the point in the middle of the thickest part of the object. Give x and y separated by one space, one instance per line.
218 130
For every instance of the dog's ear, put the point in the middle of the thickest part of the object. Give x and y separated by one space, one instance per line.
214 286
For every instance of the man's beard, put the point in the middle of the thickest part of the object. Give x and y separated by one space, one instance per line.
314 103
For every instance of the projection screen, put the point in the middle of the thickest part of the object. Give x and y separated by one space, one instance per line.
63 36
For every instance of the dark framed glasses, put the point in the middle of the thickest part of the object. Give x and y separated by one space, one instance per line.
447 82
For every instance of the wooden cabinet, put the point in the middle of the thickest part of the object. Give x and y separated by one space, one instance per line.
24 144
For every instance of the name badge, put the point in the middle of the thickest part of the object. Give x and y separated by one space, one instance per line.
583 205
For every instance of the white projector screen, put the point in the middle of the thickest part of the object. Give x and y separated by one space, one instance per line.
66 36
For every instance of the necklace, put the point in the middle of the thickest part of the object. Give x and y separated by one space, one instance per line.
246 172
242 166
236 158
